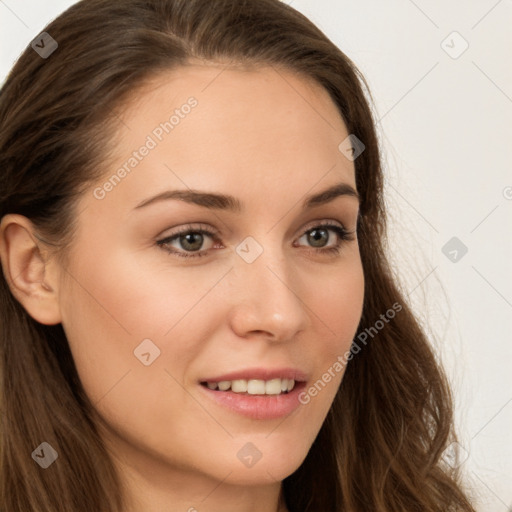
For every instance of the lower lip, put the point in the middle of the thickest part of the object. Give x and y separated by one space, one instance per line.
258 407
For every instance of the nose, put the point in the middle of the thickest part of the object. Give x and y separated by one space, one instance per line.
266 298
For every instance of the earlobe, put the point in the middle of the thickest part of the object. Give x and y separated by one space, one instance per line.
26 266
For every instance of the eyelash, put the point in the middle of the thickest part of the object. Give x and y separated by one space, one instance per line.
343 234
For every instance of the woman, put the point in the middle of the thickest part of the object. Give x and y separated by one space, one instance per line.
177 335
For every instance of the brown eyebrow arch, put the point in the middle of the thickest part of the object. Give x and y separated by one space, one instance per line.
229 203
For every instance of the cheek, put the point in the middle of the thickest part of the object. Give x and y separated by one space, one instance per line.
130 296
111 306
108 310
337 305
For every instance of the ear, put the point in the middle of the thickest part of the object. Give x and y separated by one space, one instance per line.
29 270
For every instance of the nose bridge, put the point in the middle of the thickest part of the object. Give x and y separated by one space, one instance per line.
265 291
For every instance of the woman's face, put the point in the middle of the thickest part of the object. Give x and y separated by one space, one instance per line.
262 296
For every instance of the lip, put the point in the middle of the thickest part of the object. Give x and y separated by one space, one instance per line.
258 407
261 374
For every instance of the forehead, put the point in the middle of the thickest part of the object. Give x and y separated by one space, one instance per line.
257 131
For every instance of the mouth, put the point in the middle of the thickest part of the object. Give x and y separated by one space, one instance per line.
258 394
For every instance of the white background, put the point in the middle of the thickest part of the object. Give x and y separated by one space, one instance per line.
445 129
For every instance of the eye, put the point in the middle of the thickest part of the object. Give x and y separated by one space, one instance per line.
319 235
191 239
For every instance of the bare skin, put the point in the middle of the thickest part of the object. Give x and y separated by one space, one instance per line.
269 139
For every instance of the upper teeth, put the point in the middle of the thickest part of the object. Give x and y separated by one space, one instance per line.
254 386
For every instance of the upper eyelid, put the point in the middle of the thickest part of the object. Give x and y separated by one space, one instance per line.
190 227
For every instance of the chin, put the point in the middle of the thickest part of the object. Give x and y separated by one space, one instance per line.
261 459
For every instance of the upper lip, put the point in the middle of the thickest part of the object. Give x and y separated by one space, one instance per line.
260 374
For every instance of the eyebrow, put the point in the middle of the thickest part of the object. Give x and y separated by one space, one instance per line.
225 202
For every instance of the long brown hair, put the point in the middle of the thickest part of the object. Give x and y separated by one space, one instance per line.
380 447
